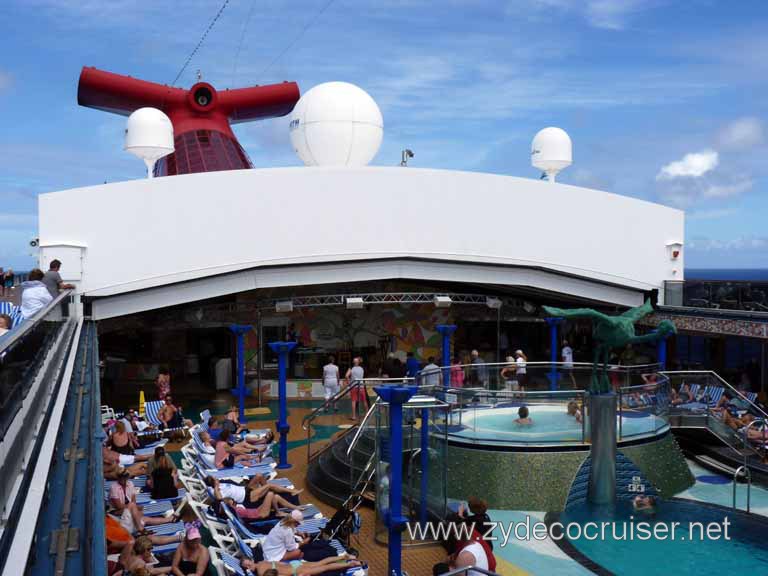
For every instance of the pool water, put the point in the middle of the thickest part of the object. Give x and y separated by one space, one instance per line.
551 423
744 553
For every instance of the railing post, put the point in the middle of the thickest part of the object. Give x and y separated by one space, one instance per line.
240 332
553 375
395 396
282 349
446 330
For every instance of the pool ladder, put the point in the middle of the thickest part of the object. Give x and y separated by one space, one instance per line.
748 477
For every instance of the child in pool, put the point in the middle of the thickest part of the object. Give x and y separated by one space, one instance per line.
523 419
573 410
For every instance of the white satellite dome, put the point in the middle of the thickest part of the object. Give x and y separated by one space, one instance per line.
149 135
551 151
336 124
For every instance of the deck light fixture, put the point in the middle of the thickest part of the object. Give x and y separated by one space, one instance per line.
442 301
284 306
354 303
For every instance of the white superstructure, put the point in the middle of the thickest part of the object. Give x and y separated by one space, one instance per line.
146 244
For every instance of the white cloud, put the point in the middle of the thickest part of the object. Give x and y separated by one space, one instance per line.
714 214
728 190
693 165
605 14
612 14
742 133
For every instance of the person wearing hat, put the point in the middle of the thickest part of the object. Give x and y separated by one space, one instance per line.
191 558
281 544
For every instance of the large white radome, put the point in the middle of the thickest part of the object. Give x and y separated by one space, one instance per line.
336 124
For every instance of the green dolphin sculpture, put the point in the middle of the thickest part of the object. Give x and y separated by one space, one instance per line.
612 332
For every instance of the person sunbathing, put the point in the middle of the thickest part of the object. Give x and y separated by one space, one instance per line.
232 421
227 456
121 440
114 462
523 419
137 557
253 494
737 422
334 563
122 499
170 415
573 410
682 396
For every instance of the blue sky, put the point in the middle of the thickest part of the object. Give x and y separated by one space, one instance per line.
664 100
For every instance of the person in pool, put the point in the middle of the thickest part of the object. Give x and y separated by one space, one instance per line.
573 410
644 503
522 417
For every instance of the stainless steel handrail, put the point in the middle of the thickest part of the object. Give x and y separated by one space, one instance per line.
362 426
10 338
748 477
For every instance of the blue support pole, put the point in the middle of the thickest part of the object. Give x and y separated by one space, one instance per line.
282 349
240 331
553 374
424 466
446 330
661 353
395 396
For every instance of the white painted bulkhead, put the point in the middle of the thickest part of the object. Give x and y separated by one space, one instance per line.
278 226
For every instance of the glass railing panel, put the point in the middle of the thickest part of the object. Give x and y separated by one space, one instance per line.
22 353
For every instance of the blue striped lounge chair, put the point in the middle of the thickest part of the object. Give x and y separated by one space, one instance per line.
309 526
713 394
151 410
13 311
226 564
751 396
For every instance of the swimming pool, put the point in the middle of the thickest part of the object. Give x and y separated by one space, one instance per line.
743 553
551 424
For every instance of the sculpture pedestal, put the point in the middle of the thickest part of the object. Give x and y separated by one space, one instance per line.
602 424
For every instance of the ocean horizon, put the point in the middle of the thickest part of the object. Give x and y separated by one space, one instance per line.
734 274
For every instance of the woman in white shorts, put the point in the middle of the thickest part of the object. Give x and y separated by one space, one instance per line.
331 381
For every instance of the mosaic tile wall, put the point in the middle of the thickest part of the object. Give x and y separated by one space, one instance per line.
543 480
513 480
663 463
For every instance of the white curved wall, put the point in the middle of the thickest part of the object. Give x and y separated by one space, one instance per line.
145 233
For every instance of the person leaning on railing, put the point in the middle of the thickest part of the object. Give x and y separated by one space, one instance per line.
34 294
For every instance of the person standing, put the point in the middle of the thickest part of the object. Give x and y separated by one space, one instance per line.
479 370
457 373
522 376
52 279
430 376
567 355
2 281
34 294
7 281
412 365
354 378
331 382
163 383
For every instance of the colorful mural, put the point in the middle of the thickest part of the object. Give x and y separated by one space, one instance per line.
409 327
